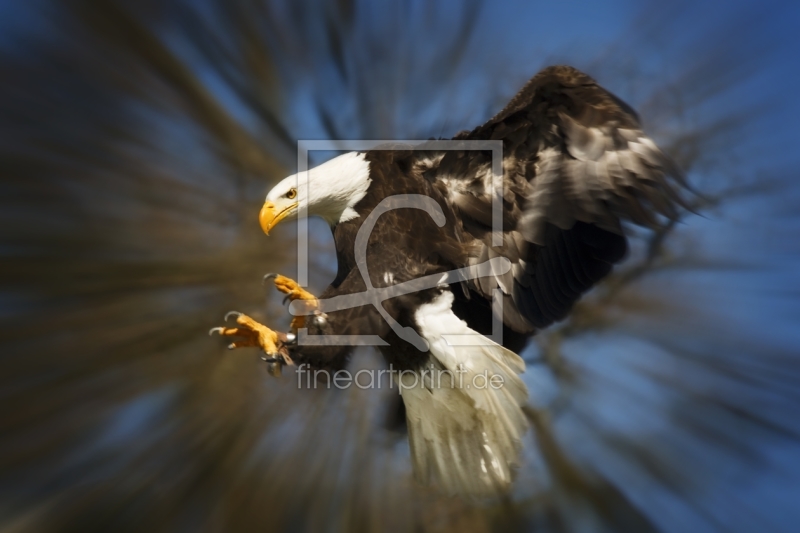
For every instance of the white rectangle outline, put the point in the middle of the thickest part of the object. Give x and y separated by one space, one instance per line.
304 146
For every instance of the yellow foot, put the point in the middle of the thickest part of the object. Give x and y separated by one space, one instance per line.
254 334
293 292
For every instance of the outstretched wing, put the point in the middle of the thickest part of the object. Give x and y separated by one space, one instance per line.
576 165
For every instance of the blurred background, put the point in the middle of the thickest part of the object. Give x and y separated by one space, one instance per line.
137 142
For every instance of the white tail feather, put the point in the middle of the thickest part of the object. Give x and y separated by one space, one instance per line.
463 408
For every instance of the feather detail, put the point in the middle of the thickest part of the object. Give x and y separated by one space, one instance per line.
465 431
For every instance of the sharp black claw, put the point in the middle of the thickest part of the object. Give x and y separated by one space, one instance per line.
271 275
272 358
286 298
215 330
274 369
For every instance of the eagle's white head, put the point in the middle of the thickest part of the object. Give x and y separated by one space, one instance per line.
331 191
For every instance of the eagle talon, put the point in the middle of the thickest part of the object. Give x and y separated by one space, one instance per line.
295 292
290 288
271 275
251 334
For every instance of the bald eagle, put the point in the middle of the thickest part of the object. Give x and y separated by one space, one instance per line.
576 168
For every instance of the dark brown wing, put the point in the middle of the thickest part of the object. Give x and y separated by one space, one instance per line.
576 166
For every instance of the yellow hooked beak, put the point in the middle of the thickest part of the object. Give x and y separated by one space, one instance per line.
270 216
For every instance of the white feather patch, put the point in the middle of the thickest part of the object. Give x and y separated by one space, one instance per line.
465 434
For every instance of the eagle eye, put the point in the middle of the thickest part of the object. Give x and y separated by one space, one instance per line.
291 194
